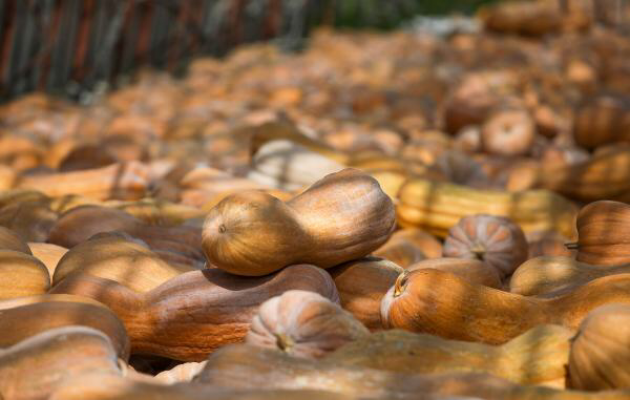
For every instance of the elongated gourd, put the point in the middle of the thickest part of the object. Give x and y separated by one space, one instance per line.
119 258
553 275
438 206
538 356
21 274
31 316
342 217
33 368
473 271
443 304
191 315
246 367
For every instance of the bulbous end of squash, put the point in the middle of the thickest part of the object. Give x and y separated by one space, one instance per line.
251 233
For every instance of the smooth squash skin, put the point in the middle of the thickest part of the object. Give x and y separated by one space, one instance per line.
120 258
443 304
438 206
554 275
49 254
10 240
51 312
538 356
604 176
33 368
600 352
21 274
304 324
603 233
110 387
342 217
473 271
362 285
247 367
193 314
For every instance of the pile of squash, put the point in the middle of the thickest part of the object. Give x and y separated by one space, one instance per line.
391 215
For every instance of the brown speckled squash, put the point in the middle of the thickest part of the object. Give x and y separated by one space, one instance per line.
600 352
304 324
494 240
473 271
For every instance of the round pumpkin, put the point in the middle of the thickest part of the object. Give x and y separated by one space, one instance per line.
508 133
495 240
600 352
304 324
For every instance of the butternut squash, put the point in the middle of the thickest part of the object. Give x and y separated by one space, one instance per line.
35 316
438 206
33 368
443 304
191 315
473 271
118 181
342 217
21 274
10 240
119 258
553 275
49 254
538 356
362 284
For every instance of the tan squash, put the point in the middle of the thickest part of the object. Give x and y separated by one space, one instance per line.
603 234
35 316
49 254
443 304
536 357
10 240
32 220
181 373
340 218
286 165
79 224
438 206
603 176
118 181
21 274
362 284
508 133
553 275
401 252
33 368
599 352
304 324
246 367
110 387
497 241
471 270
120 258
430 246
191 315
523 17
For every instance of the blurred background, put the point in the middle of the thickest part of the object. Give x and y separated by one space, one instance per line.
76 47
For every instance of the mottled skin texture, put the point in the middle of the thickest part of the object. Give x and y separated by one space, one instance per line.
603 233
342 217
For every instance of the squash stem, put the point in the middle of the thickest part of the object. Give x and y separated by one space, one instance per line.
401 282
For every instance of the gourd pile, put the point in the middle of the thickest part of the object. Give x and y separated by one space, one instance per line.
391 215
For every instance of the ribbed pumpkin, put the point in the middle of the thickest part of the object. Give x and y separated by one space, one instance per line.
600 352
304 324
491 239
604 233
